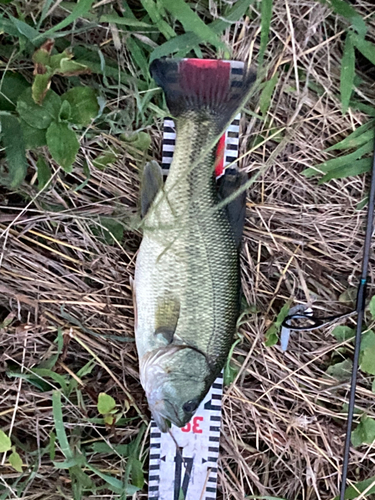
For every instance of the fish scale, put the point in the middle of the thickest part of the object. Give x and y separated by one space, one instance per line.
191 240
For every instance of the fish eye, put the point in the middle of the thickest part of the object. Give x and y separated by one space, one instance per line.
190 406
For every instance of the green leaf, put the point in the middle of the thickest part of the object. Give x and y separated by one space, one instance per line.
284 311
371 307
360 136
230 372
341 371
52 446
24 29
33 137
63 144
366 48
354 491
138 478
80 481
113 230
114 482
341 161
342 333
265 96
347 73
5 442
192 22
45 372
154 12
368 340
357 167
367 361
59 426
183 44
105 159
346 10
265 24
15 461
271 337
109 419
35 115
126 21
86 369
71 462
121 449
83 103
137 55
106 403
373 386
79 10
65 111
364 432
11 86
40 87
12 139
139 140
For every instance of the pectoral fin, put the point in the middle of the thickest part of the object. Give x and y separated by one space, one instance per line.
151 183
236 209
167 315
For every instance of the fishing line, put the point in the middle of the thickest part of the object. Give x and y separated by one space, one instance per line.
310 322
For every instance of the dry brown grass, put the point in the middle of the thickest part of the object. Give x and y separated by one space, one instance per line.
283 426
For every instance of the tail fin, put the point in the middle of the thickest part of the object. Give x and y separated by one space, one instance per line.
202 85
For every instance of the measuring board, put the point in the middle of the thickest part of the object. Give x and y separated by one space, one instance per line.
190 472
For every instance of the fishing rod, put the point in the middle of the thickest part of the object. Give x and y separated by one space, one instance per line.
360 308
311 322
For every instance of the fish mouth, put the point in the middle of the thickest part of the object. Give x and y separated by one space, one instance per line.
159 410
163 423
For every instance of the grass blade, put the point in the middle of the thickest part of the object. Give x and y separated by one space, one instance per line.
183 44
156 17
265 96
24 29
265 24
80 9
43 15
355 168
353 491
192 22
344 9
347 73
111 18
360 136
365 47
59 426
339 162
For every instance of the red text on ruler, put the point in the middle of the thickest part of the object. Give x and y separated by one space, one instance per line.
193 425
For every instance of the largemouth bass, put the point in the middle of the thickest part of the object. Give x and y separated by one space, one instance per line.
187 284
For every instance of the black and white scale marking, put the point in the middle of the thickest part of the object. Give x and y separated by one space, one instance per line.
192 469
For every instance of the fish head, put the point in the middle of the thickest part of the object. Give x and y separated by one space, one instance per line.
175 379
